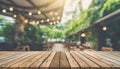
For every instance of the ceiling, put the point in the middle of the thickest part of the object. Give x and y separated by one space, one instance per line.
50 11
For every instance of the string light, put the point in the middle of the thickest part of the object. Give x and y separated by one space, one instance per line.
53 18
4 11
39 12
54 22
51 13
51 23
56 13
57 21
104 28
30 13
48 20
58 17
11 8
37 22
26 21
14 15
42 21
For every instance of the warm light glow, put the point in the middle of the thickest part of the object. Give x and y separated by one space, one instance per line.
39 12
37 22
48 20
51 23
104 28
30 13
26 21
57 21
42 21
53 18
56 13
83 35
14 15
54 22
58 17
11 8
51 13
4 10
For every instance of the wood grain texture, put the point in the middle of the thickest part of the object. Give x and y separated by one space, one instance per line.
59 60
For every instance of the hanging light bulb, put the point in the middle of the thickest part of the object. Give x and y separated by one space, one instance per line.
58 17
51 23
26 21
37 22
42 21
4 11
83 35
48 20
54 22
11 9
104 28
39 12
56 13
57 22
53 18
30 13
51 13
14 15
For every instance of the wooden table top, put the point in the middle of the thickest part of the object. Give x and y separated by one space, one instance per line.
59 60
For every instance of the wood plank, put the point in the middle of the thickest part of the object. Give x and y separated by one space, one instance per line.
8 58
109 59
8 55
32 59
81 63
43 57
98 62
64 64
110 56
72 62
17 64
47 62
116 54
13 60
89 62
56 61
104 60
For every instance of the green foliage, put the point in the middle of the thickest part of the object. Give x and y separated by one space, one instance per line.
8 30
109 6
29 33
1 31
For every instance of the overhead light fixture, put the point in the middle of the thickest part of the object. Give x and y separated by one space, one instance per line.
58 17
51 13
48 20
42 21
14 15
4 11
11 8
30 13
39 12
